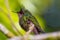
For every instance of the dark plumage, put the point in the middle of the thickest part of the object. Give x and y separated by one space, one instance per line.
25 18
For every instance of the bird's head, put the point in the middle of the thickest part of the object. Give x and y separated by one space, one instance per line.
21 12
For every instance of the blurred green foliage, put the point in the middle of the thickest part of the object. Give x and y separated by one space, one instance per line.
4 19
36 7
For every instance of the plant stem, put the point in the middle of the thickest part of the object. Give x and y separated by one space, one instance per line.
9 16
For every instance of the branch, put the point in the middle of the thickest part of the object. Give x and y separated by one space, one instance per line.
31 27
34 37
6 31
41 36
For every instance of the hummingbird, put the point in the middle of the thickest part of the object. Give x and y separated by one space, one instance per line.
26 18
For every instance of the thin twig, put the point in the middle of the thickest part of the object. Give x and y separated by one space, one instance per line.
6 31
54 35
46 35
31 27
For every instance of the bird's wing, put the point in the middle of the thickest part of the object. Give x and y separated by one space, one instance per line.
23 23
31 17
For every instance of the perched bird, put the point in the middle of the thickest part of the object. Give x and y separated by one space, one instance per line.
26 18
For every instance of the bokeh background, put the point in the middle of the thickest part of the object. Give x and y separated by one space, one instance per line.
47 13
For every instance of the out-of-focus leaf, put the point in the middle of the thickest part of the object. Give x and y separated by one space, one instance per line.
14 7
2 36
6 22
